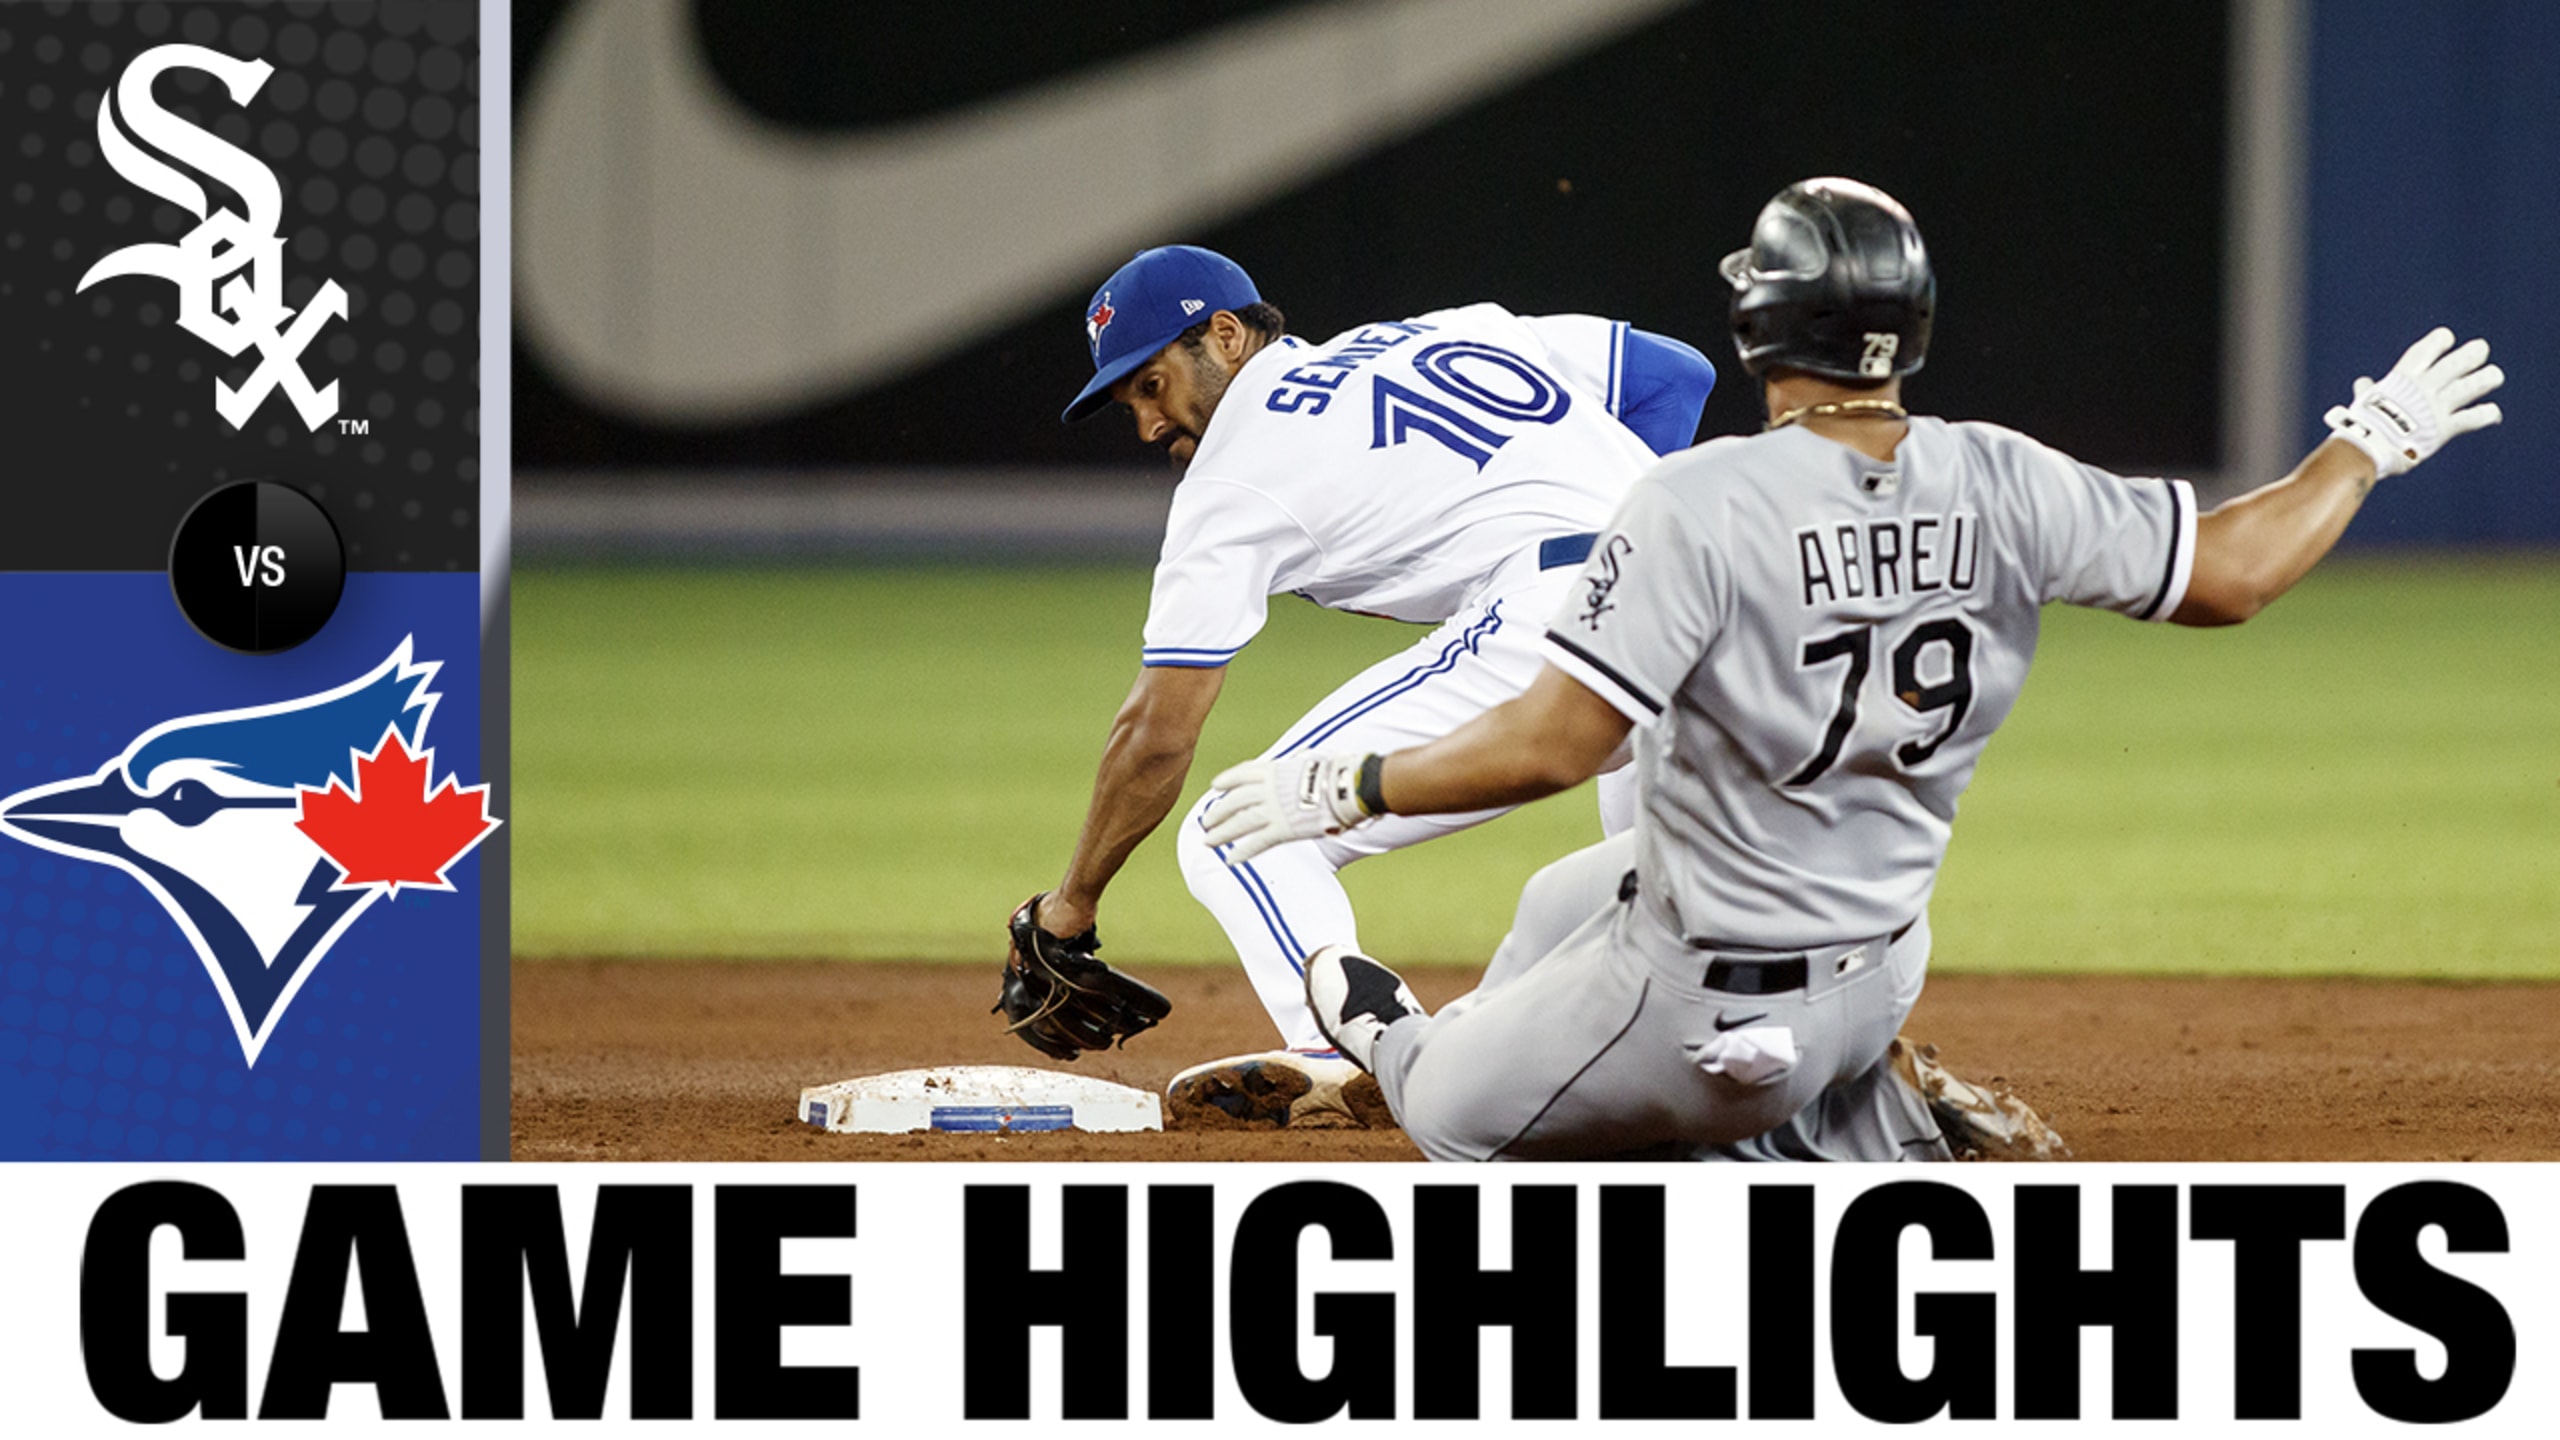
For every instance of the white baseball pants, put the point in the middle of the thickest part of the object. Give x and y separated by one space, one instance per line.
1287 903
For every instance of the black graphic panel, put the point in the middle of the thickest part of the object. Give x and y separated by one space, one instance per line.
366 116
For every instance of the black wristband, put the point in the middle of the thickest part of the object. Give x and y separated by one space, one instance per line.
1371 787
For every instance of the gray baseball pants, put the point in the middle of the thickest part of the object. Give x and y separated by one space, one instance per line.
1599 1033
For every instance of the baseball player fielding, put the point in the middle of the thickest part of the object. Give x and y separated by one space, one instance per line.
1448 469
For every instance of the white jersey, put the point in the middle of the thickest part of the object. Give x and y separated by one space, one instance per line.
1816 645
1411 469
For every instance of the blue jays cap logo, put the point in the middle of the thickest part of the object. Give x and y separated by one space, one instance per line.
244 825
1098 321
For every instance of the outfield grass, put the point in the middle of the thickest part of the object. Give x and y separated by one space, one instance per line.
880 762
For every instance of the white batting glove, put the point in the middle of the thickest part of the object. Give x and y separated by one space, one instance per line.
2424 401
1295 797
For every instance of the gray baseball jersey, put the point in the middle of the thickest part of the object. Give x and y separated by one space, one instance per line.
1815 647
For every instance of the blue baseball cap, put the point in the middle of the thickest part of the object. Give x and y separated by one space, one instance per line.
1146 304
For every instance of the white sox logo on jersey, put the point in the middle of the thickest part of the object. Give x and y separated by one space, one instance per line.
1597 603
248 249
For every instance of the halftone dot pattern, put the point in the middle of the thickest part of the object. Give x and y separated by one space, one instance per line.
111 1036
114 1044
370 126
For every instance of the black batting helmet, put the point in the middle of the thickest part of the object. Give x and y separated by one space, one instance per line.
1835 282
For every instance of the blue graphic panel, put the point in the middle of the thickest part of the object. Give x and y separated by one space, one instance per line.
116 1041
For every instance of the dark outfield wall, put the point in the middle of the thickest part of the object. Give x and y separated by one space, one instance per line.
2065 161
2435 147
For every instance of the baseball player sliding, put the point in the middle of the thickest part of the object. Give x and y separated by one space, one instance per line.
1449 469
1812 632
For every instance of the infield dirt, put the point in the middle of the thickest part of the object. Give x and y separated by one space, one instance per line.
676 1060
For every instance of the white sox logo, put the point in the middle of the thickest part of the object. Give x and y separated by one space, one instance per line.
248 249
1597 603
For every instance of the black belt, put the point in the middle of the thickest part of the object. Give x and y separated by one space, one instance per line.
1755 977
1736 975
1774 976
1566 549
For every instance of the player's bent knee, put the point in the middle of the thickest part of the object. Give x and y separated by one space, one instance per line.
1443 1137
1450 1121
1559 887
1565 893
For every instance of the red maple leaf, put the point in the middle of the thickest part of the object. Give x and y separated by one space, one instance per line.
391 830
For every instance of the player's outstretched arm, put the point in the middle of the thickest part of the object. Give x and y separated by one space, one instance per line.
1143 766
1552 737
2251 549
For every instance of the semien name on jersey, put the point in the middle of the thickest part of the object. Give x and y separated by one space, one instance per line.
1886 559
1325 374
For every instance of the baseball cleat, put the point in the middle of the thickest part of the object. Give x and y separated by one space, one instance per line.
1355 999
1278 1090
1979 1123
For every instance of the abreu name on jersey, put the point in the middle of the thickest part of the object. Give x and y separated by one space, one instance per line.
1886 559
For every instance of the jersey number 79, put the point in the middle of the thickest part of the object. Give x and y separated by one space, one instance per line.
1954 694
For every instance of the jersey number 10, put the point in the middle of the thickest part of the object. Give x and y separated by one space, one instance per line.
1483 378
1954 694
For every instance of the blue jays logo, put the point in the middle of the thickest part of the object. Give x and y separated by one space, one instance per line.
1097 322
243 826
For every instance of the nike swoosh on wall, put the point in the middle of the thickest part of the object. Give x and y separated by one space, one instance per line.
679 258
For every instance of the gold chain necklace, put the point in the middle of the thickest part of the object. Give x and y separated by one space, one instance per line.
1887 409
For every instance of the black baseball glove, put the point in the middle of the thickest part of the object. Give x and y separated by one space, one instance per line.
1062 999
